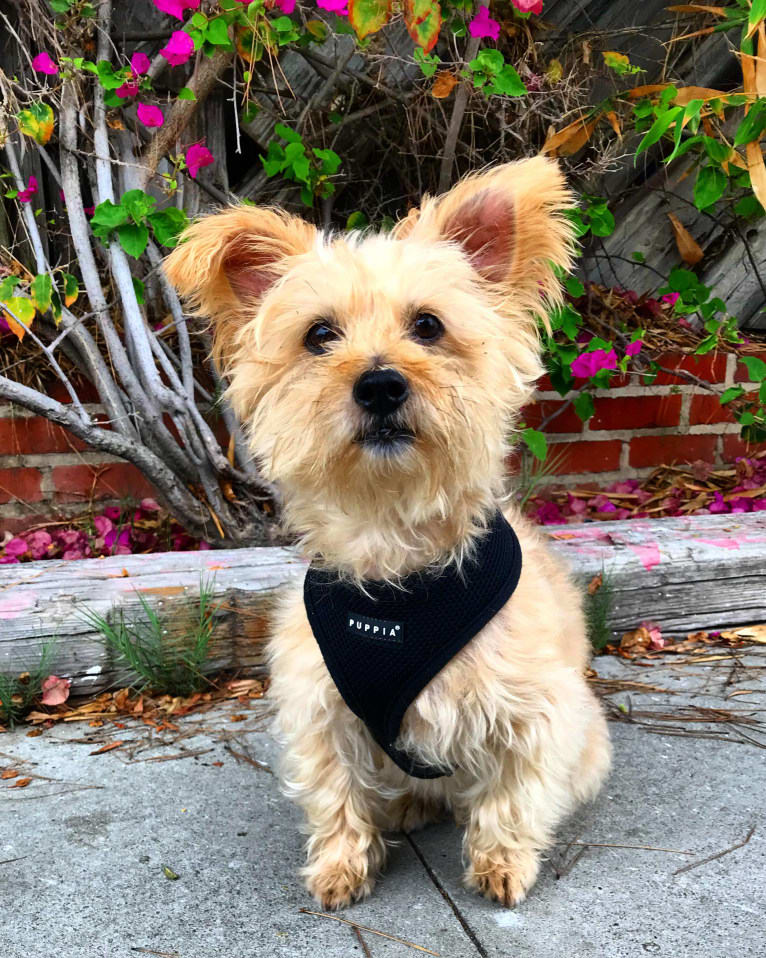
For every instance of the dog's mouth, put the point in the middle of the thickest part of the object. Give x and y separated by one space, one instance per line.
386 439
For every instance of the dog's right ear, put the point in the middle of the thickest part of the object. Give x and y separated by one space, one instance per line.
226 262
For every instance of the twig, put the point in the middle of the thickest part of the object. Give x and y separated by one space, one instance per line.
8 861
246 758
712 858
646 848
151 951
372 931
171 758
458 111
362 942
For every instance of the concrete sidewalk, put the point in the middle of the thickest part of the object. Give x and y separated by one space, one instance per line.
91 840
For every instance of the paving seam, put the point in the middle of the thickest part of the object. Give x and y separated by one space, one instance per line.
471 934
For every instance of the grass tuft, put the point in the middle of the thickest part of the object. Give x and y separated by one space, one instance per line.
19 693
598 611
162 664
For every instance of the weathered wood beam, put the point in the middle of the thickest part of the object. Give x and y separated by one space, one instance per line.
700 572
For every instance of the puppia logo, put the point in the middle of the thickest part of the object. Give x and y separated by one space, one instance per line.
374 628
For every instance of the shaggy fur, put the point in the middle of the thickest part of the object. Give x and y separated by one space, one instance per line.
511 712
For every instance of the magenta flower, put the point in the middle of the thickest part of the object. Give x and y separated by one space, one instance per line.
334 6
286 6
634 348
25 195
39 543
179 48
150 115
718 504
16 547
528 6
140 63
43 63
588 364
176 8
197 156
129 88
484 26
671 298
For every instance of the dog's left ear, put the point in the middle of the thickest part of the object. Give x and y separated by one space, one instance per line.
509 222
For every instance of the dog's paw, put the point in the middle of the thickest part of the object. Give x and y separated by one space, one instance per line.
337 884
505 876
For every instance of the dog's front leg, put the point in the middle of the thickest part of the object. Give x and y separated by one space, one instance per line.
345 848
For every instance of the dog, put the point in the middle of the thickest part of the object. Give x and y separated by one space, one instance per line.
387 481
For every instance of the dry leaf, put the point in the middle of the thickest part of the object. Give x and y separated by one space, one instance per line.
55 690
636 640
689 249
444 83
34 733
760 66
614 122
10 773
20 783
107 748
595 583
698 8
748 633
572 137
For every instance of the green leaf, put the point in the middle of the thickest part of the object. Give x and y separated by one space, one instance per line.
733 392
753 125
357 221
139 290
108 77
168 224
109 216
38 122
71 288
21 308
748 207
757 13
638 257
584 406
60 6
138 204
7 286
508 82
42 287
710 187
217 32
536 443
659 128
186 93
368 16
756 368
133 238
575 287
489 61
330 161
601 221
287 134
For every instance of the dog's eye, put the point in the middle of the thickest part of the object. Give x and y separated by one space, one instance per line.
427 327
318 337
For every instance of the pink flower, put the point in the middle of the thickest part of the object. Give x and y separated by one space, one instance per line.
286 6
176 8
718 504
8 560
334 6
102 525
759 505
483 25
528 6
39 543
150 115
197 156
16 547
140 63
129 88
588 364
55 690
634 348
43 63
549 514
671 298
655 635
24 196
179 48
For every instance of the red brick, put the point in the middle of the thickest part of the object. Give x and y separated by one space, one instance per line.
711 368
20 435
666 450
544 384
584 456
734 447
567 421
85 390
632 412
706 409
111 481
740 373
22 485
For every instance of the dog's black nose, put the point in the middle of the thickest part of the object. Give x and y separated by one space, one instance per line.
381 391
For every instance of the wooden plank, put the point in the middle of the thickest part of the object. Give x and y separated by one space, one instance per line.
700 572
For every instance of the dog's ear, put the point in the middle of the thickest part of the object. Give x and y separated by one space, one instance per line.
509 222
226 262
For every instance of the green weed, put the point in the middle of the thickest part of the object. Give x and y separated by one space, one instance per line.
20 692
598 612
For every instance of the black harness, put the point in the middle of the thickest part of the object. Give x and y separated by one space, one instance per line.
383 645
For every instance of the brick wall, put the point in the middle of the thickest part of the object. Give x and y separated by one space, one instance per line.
45 471
636 428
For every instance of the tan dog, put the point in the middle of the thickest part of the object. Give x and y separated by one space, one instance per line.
449 301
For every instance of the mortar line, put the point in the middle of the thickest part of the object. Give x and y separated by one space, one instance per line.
470 933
